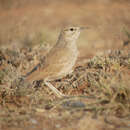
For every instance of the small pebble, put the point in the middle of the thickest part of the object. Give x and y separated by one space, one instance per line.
33 121
57 125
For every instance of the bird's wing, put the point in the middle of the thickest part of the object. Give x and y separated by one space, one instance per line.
52 64
37 67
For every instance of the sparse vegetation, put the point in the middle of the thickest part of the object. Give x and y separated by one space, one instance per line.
99 88
103 81
127 33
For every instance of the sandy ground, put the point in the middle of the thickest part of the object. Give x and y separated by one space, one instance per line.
25 24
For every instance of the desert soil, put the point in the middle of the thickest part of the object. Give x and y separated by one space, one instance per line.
99 87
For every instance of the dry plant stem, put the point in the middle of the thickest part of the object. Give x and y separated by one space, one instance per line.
56 91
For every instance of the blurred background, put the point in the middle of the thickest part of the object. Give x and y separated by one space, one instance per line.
25 23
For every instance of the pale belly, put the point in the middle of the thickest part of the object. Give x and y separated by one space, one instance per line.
67 66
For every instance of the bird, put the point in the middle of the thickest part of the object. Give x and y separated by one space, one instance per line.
59 61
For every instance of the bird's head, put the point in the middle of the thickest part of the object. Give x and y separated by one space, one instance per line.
71 33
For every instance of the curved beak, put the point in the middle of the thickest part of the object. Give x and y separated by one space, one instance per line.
82 28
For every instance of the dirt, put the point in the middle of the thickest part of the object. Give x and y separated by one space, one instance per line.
98 90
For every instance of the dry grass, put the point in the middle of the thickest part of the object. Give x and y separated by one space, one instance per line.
98 89
101 86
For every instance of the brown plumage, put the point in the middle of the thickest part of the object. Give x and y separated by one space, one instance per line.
59 61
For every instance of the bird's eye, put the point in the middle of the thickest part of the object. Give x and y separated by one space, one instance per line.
71 29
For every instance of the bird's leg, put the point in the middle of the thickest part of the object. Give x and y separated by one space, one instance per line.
56 91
